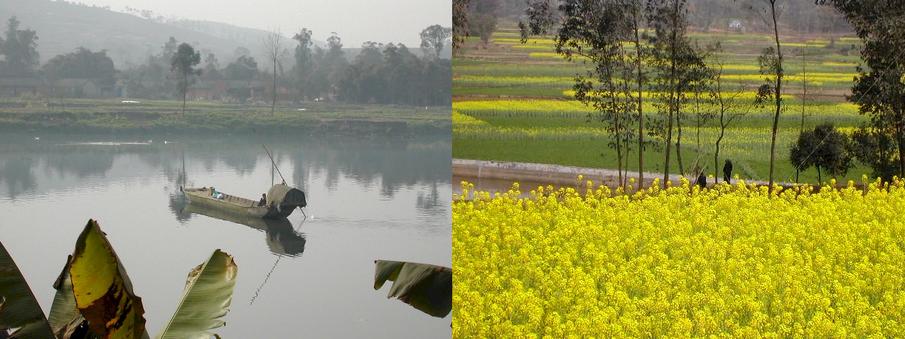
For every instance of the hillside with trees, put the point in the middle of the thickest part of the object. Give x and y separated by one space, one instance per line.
61 50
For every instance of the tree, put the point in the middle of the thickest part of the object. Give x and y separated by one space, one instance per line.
152 79
594 30
703 97
243 68
680 65
879 88
212 67
541 18
460 23
728 107
273 49
434 37
392 74
19 50
824 147
303 58
771 61
169 49
184 61
81 64
877 149
333 64
483 18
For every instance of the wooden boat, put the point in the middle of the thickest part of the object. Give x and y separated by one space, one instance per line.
282 200
282 239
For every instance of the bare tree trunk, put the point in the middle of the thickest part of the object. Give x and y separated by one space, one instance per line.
679 140
274 49
640 105
900 137
273 104
626 75
618 148
716 155
617 126
673 95
804 96
779 74
716 152
699 120
185 90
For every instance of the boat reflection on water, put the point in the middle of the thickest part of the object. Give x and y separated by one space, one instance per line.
282 238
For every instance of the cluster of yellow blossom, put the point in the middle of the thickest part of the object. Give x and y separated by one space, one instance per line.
733 260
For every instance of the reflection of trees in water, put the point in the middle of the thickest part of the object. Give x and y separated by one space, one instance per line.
392 162
176 204
97 160
430 201
397 163
80 162
17 175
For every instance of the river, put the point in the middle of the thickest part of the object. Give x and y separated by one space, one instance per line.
369 198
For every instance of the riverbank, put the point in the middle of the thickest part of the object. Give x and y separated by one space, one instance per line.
498 176
78 115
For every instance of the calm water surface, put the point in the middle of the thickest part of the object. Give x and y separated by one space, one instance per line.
382 197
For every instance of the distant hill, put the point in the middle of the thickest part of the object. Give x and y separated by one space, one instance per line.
128 38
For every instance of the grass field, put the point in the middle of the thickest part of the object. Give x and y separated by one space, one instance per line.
91 115
512 102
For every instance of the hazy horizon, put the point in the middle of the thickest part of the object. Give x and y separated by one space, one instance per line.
356 21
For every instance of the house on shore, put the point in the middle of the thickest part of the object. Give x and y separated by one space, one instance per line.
13 87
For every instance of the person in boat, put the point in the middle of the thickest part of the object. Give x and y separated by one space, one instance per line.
263 200
215 194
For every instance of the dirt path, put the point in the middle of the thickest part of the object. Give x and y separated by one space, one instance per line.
498 176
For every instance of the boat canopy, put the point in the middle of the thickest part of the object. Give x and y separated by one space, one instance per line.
285 196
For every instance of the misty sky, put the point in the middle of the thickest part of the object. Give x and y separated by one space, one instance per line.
356 21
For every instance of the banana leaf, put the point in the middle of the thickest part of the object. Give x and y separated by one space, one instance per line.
20 313
64 317
101 287
427 288
206 300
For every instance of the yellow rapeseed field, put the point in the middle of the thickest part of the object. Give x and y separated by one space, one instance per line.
680 262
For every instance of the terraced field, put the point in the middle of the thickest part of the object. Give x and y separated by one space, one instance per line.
513 102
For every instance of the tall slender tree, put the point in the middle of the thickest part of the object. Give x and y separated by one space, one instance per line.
183 62
636 21
303 59
681 68
771 66
274 50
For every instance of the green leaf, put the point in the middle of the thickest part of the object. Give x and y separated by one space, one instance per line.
427 288
206 300
64 317
19 310
101 287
